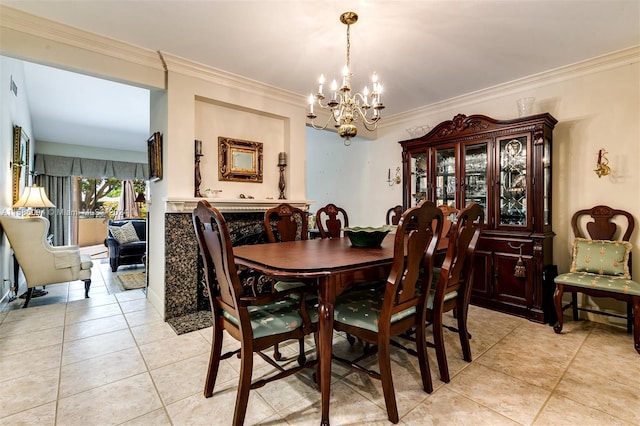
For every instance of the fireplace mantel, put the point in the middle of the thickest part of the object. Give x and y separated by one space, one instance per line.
186 205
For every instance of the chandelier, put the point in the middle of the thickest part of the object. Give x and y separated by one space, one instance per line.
347 109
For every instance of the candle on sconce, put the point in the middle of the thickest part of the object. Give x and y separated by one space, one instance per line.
282 159
198 147
389 175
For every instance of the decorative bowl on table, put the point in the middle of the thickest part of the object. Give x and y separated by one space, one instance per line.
367 236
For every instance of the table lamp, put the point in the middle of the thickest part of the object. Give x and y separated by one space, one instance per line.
33 197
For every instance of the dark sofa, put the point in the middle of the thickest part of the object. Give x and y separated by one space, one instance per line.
129 253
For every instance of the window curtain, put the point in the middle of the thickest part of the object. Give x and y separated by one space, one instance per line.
55 174
55 165
60 192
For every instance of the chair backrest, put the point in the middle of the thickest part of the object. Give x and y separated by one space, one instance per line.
217 256
602 227
450 215
415 242
328 220
457 267
290 224
393 215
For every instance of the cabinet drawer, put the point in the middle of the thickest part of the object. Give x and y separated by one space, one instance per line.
505 245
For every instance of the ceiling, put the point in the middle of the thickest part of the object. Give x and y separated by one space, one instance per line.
423 51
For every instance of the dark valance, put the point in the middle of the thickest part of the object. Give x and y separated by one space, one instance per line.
55 165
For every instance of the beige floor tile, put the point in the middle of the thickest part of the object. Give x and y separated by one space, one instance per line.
346 408
92 301
130 295
511 397
152 332
81 330
30 341
198 410
142 317
290 390
101 370
18 313
134 305
29 362
35 323
41 415
599 392
446 407
178 348
155 418
91 347
27 392
111 404
563 411
93 312
185 378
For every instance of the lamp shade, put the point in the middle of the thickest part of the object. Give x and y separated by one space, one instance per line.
34 196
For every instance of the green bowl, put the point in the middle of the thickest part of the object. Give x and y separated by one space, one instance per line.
366 236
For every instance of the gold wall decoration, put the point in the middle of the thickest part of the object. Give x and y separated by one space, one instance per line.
239 161
20 162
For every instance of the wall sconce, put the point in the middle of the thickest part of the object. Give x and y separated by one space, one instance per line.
396 179
197 178
602 168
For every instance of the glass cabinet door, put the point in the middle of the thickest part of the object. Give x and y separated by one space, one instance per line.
445 182
546 175
418 177
513 181
475 175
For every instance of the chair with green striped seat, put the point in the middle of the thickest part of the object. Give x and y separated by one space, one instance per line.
330 220
375 316
257 322
601 266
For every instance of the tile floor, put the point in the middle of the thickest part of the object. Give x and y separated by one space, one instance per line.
111 360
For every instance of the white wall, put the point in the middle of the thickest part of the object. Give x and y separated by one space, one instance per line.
14 110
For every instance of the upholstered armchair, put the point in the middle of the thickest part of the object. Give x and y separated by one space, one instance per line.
127 242
42 263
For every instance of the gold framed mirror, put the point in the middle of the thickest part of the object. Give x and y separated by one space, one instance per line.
20 162
239 160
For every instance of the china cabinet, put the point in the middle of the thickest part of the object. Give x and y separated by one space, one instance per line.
505 166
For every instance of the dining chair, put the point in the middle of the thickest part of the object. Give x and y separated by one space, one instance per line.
376 315
330 219
452 282
257 322
283 223
450 214
394 214
601 266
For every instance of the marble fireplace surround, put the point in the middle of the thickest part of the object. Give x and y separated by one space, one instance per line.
185 308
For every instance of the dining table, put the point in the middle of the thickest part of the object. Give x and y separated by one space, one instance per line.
334 265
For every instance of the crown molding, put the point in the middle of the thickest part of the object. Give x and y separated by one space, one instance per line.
595 65
50 30
217 76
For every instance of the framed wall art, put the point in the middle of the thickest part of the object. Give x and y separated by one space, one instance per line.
154 150
20 162
239 161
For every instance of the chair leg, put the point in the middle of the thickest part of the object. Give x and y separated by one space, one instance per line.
636 323
244 385
276 353
574 304
557 302
438 341
28 297
629 319
302 358
423 358
214 359
384 361
464 334
87 286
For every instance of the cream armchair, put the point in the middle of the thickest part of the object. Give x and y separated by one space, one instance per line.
42 263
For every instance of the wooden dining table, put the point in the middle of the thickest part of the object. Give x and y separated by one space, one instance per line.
334 265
